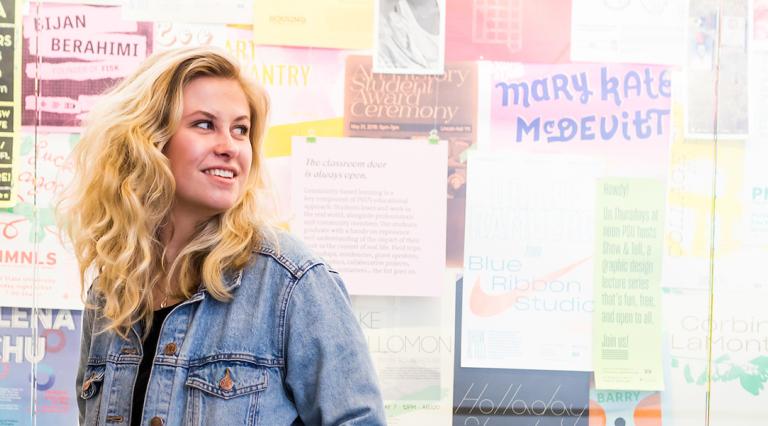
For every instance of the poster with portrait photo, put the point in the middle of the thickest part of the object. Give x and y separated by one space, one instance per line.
409 37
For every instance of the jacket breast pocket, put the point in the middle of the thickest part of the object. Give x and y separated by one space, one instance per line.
90 391
224 393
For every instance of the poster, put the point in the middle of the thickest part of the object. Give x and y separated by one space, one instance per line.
626 340
612 112
758 13
755 195
10 100
36 270
304 84
509 30
76 52
411 106
46 344
739 357
693 180
624 407
717 85
631 31
409 37
758 93
382 229
195 11
340 24
411 343
528 298
506 397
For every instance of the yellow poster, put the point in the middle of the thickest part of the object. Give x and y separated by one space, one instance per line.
341 24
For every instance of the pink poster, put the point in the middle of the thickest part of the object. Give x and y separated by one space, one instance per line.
76 52
609 111
508 30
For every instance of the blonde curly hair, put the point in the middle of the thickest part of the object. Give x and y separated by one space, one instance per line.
123 190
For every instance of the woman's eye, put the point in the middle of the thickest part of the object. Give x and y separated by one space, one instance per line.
241 130
204 124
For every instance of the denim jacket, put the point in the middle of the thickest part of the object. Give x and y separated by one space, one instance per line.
286 349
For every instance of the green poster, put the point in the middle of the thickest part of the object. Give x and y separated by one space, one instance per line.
626 342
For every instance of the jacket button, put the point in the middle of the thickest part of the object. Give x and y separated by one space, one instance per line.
170 349
156 421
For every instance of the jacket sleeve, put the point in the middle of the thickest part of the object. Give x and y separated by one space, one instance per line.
85 346
328 368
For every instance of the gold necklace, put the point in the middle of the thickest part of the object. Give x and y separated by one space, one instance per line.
164 301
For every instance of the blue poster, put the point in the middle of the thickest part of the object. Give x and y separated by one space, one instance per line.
50 354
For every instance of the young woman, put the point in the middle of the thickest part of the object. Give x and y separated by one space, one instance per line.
200 313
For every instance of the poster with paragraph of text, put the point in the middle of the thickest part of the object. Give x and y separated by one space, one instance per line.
629 232
357 203
36 268
76 52
528 271
46 344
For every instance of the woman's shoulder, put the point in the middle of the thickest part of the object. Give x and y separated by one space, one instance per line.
288 251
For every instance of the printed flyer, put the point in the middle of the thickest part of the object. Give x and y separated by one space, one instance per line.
507 397
528 298
76 52
36 270
46 344
352 204
411 107
626 342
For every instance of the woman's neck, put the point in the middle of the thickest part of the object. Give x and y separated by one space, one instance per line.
176 235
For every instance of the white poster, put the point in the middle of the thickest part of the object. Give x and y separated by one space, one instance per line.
739 358
628 31
527 300
375 209
196 11
411 343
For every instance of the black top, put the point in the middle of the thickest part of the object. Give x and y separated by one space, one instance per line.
145 368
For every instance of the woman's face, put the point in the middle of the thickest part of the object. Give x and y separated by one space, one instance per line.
210 154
